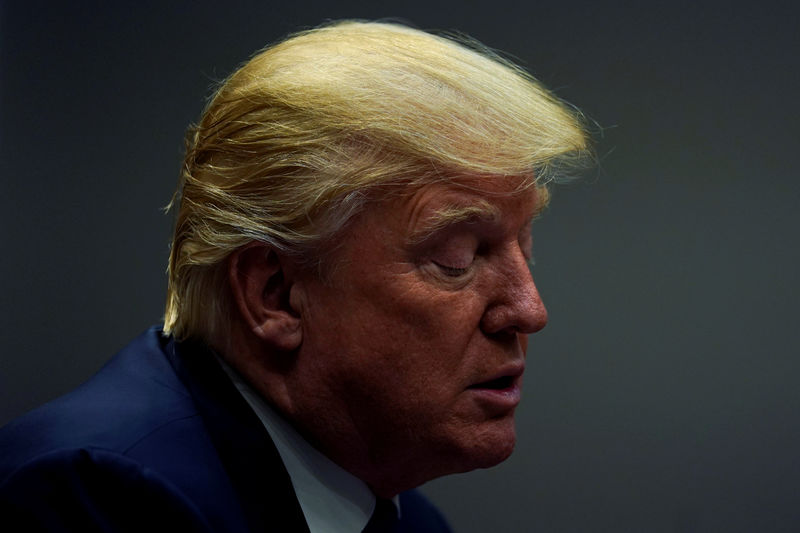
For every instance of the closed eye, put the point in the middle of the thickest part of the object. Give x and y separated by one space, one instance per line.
450 271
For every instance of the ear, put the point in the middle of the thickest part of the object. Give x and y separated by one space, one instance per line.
261 290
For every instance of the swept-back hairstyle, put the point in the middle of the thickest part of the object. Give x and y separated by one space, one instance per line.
293 142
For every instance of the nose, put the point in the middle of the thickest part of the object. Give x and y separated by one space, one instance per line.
516 306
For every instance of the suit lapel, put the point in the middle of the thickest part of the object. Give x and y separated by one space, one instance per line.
250 458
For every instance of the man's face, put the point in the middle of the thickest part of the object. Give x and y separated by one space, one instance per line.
414 345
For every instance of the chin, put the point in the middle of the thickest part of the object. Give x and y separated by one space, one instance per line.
487 448
497 454
455 454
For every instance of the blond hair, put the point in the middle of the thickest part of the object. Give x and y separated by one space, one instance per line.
293 142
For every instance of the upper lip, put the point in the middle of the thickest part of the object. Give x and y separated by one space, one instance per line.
511 370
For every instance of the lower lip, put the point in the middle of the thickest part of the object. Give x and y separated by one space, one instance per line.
499 400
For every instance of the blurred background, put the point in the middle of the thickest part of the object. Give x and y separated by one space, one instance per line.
662 396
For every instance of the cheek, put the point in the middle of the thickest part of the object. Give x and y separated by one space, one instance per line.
399 327
433 316
434 341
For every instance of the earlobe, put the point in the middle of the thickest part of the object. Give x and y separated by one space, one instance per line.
261 288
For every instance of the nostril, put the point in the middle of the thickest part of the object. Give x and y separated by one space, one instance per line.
504 336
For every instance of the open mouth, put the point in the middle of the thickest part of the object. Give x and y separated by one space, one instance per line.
500 383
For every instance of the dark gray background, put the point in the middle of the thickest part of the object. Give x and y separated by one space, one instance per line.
663 396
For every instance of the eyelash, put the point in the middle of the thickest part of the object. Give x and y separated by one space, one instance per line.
451 272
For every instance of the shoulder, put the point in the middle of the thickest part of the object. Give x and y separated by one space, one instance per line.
132 396
77 490
131 435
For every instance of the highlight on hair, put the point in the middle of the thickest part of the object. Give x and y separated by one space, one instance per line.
297 139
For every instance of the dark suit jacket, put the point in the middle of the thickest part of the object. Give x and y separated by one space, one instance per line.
159 438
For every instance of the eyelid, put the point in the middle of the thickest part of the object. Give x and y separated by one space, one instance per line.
452 272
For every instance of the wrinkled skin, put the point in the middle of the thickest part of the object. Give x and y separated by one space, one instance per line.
401 342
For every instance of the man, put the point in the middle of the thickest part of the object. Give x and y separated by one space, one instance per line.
348 305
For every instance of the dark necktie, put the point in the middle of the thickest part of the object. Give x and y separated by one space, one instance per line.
384 517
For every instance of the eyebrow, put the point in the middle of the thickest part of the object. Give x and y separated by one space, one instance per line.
454 214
